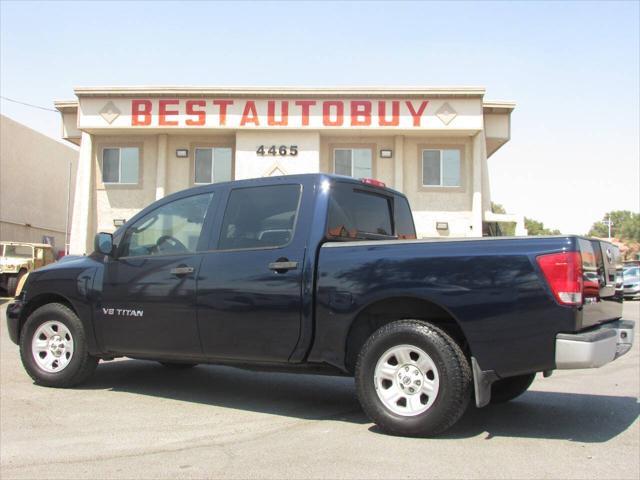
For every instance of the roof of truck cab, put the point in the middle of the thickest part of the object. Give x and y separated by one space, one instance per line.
317 177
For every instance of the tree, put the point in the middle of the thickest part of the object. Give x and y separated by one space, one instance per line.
508 229
625 226
534 227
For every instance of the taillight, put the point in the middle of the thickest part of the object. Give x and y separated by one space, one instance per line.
563 272
373 182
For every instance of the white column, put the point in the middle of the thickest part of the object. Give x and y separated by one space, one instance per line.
161 167
479 156
521 229
81 240
398 162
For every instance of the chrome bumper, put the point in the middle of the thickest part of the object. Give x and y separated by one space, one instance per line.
596 347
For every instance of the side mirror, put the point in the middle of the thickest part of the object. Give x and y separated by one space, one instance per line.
103 243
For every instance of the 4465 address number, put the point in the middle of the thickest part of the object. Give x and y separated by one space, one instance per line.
282 150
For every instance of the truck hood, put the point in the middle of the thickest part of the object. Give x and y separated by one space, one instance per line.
74 262
13 260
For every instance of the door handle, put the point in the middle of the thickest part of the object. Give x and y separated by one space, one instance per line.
283 266
183 270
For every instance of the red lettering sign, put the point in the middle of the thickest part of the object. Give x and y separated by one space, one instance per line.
326 113
395 114
360 113
164 112
306 107
250 108
200 114
416 114
223 104
284 114
140 112
197 112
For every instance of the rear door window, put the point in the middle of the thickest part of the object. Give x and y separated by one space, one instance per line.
260 217
358 214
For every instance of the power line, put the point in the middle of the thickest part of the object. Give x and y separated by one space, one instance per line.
27 104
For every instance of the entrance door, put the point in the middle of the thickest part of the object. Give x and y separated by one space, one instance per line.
149 290
249 291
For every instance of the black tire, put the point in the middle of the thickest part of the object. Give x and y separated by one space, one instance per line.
507 389
453 369
177 365
81 364
12 284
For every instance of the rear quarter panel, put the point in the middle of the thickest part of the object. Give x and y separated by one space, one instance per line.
492 287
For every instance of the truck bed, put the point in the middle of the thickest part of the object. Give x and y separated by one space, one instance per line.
492 288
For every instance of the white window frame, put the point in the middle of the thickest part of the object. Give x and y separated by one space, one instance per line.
441 185
119 148
352 163
213 159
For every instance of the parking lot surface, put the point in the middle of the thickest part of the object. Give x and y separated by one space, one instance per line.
137 419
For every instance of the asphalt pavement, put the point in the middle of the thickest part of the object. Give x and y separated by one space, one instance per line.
137 419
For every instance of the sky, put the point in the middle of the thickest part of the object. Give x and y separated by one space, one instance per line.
572 68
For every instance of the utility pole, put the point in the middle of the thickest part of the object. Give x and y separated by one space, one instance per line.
609 224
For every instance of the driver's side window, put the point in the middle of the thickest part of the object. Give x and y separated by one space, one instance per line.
171 229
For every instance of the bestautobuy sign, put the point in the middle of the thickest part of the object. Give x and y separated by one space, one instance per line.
230 113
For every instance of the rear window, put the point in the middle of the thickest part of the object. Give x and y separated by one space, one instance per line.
405 228
355 213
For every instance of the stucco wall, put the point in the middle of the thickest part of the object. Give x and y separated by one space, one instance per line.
382 167
250 165
124 201
430 204
438 204
34 174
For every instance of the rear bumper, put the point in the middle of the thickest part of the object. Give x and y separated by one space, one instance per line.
596 347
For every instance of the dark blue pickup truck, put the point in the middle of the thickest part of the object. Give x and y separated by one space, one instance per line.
324 274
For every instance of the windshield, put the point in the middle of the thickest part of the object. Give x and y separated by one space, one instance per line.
631 272
21 251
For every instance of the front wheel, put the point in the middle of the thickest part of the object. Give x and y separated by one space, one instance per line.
413 379
53 347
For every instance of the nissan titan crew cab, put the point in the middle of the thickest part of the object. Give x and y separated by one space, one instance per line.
323 274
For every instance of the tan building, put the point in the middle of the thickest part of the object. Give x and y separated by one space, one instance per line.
37 179
138 144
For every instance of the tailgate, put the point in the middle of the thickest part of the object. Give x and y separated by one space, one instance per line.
602 275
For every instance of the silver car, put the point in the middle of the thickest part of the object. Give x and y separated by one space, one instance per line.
631 277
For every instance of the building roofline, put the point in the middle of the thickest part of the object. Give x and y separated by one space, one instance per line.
498 107
222 91
64 106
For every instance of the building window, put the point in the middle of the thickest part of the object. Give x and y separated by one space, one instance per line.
213 165
441 168
353 162
120 165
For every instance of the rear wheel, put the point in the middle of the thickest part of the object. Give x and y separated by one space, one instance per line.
413 379
53 347
507 389
12 283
